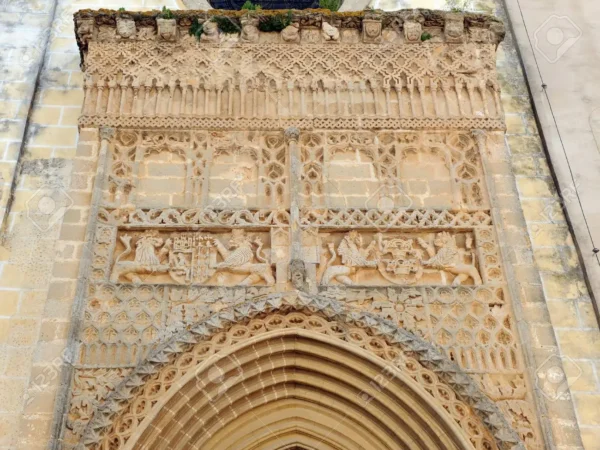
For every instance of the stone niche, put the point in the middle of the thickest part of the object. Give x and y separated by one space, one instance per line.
343 157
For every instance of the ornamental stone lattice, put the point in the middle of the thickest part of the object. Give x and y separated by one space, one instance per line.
269 202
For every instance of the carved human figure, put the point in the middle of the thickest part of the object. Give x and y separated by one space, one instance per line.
448 258
353 257
239 256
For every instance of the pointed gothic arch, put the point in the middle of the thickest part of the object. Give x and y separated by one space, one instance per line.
297 370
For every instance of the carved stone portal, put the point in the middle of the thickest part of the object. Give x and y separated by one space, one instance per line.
343 160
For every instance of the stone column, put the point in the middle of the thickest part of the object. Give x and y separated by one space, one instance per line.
297 268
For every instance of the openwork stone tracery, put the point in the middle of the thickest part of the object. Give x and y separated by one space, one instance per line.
343 158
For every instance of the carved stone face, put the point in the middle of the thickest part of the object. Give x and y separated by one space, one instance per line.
454 29
372 29
249 33
211 28
167 29
290 34
412 31
126 28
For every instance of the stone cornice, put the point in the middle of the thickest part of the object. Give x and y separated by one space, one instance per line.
442 26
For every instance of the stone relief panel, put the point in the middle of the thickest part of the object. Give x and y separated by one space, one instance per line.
387 170
213 169
355 258
209 258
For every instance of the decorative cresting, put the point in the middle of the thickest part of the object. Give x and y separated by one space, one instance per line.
323 71
173 396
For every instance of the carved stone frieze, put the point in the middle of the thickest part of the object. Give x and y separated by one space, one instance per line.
236 258
355 258
274 80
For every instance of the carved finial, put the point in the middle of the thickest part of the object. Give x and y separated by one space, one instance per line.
292 134
107 133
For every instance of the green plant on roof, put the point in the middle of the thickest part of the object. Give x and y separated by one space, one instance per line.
196 29
166 13
227 25
121 10
331 5
425 36
276 22
251 6
458 5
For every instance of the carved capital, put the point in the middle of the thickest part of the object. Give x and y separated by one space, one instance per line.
107 133
292 134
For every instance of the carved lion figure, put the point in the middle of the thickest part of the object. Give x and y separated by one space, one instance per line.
448 258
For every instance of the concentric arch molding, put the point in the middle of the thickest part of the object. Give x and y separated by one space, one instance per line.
347 323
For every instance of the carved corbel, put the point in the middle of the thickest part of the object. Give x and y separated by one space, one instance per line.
454 28
412 31
291 33
167 29
85 31
371 30
126 28
250 31
330 33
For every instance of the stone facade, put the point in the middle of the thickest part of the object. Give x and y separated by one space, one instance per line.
377 198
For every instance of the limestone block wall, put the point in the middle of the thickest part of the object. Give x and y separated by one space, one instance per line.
42 94
40 267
